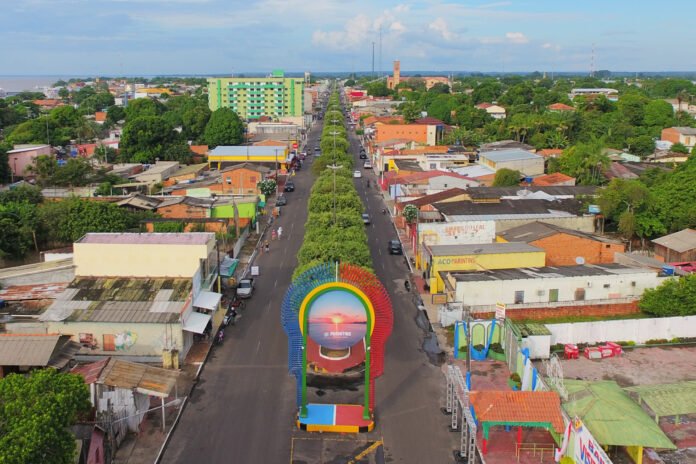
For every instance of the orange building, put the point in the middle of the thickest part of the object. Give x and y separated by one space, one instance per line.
430 81
419 133
238 179
564 247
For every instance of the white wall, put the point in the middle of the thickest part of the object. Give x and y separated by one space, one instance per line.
636 330
536 290
456 233
440 183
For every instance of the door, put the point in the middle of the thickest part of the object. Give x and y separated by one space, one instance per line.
579 294
553 295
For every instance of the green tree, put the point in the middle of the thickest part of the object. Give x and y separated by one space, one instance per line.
146 138
410 111
114 114
5 171
36 411
378 89
410 213
224 128
18 224
674 297
267 187
506 178
643 145
679 148
584 161
23 193
76 172
141 107
68 220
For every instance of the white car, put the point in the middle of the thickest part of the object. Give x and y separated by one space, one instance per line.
367 165
357 174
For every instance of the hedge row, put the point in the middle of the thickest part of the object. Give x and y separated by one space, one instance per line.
334 236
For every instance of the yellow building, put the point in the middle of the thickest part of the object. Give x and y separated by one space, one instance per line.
248 154
478 257
143 255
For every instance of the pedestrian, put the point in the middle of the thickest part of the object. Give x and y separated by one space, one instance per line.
280 232
266 246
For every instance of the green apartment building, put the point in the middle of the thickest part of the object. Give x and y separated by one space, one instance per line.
252 97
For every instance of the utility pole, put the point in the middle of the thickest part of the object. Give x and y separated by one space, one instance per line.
373 59
379 70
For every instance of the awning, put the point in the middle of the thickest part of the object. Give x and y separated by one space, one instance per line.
207 300
196 322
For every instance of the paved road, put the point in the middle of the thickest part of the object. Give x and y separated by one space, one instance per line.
242 410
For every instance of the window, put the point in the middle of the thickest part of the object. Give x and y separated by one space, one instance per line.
229 180
606 285
553 295
579 294
519 297
607 246
109 341
433 166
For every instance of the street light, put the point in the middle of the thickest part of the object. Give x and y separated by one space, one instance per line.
333 167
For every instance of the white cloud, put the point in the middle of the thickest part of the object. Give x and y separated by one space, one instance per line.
440 26
355 32
397 27
516 37
550 46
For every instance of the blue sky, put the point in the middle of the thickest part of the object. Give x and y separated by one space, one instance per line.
107 37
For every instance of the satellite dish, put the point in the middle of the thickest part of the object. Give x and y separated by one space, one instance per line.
580 260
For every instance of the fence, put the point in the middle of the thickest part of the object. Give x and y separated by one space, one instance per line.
635 330
240 242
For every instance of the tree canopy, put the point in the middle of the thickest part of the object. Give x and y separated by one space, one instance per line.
224 128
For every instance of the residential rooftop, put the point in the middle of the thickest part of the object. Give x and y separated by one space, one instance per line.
513 154
681 241
537 230
482 249
119 299
504 208
248 150
188 238
548 272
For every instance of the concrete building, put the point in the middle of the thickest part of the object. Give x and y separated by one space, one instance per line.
142 255
684 135
676 247
157 173
555 286
252 97
23 156
523 161
440 258
495 111
564 247
425 134
141 296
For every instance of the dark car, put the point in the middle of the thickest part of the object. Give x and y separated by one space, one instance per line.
289 187
363 156
395 247
282 201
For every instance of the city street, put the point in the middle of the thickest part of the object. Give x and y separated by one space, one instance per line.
243 408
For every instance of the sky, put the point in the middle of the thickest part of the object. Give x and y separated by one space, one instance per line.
151 37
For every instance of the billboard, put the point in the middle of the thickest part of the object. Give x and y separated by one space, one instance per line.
337 319
456 233
586 450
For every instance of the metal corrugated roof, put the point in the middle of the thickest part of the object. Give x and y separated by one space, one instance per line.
247 150
34 350
146 379
188 238
681 241
482 249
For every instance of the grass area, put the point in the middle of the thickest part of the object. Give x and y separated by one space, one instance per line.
562 320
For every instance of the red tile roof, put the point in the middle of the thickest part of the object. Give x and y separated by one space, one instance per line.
100 116
199 149
48 103
518 407
429 121
552 179
560 107
418 176
550 152
483 106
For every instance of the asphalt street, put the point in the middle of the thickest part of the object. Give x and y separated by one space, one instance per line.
243 408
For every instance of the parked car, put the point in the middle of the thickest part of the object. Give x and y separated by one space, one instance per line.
282 201
395 247
367 165
357 174
366 218
245 288
289 186
363 156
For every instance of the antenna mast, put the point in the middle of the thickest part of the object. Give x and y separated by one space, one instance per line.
592 62
373 59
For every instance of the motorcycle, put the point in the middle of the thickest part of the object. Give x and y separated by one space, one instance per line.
220 337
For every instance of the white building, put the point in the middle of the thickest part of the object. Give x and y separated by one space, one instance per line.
549 286
526 162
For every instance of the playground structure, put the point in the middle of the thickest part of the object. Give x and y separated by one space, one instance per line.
457 405
336 317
